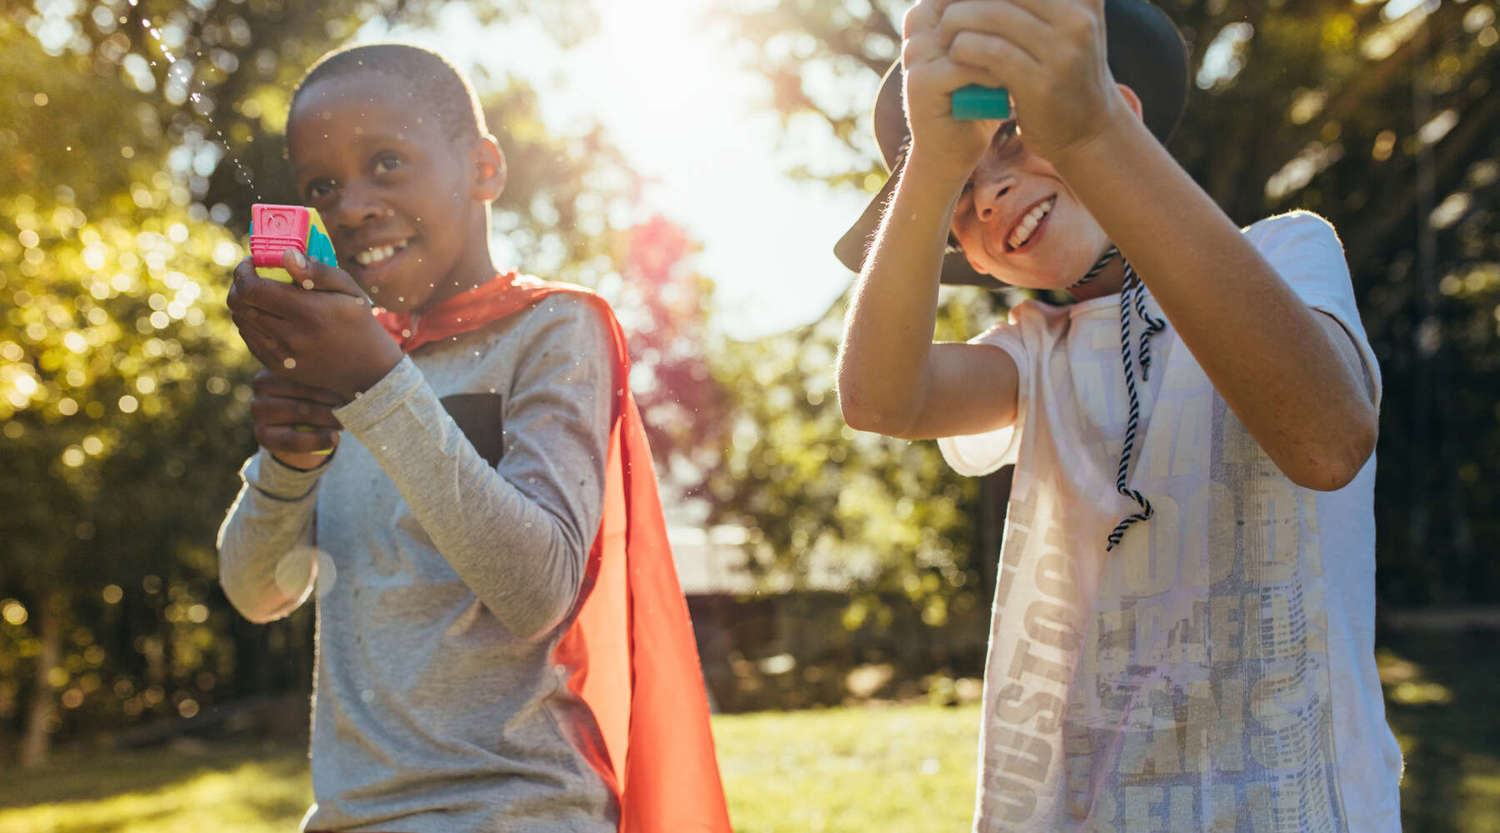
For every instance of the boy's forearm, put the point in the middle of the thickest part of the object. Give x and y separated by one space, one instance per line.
889 328
265 544
1298 390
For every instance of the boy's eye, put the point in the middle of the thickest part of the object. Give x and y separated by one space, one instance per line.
386 163
318 188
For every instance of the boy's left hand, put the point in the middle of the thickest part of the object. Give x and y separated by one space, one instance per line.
1050 55
319 332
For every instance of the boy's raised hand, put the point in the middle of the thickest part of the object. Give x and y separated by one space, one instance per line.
948 146
1050 54
293 421
319 333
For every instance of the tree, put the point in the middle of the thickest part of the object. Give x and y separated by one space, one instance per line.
116 398
824 502
663 304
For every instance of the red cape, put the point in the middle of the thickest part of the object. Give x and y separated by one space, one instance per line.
631 647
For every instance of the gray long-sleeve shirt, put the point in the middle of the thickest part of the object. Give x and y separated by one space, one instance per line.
445 541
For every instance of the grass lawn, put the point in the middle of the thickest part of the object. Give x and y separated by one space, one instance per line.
879 768
900 768
908 768
242 788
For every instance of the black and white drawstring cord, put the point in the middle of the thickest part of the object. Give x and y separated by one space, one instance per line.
1132 294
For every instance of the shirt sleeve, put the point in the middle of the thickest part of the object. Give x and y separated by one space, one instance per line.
517 534
267 561
979 454
1305 251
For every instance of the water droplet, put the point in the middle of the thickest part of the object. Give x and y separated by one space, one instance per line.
293 571
328 574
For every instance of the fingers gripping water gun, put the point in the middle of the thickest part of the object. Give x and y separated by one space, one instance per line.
276 228
976 102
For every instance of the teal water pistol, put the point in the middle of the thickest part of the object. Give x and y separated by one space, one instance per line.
977 102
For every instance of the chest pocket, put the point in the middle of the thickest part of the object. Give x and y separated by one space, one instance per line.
479 416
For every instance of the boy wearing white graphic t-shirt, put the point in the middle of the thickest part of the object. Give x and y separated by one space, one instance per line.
1184 617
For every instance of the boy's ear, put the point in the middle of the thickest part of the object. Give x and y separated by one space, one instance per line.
489 169
1133 100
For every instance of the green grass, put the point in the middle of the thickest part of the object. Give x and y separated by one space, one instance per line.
908 768
893 768
240 788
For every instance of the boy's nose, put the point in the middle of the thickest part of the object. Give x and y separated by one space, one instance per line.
357 206
989 196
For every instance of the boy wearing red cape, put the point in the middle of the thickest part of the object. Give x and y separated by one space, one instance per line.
463 481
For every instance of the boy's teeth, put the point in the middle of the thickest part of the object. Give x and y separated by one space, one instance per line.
1028 224
369 256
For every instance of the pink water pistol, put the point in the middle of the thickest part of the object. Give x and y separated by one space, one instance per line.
276 228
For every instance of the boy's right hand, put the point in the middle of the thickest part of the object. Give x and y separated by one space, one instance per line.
946 146
293 421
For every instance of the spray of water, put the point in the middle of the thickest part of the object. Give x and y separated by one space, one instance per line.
201 105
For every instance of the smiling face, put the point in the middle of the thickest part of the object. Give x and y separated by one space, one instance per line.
1018 220
405 203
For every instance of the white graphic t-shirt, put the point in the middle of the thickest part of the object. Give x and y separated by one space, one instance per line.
1215 671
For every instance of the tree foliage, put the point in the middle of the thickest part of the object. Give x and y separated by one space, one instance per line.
825 504
663 304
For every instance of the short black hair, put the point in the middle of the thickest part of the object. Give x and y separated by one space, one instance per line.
440 84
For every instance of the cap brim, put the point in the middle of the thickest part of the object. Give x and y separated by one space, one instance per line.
854 246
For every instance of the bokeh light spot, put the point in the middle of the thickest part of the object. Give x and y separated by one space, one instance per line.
14 612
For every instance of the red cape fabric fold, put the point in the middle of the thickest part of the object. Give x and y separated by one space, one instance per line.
631 650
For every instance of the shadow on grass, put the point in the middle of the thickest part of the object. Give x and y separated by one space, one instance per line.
90 775
1441 691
